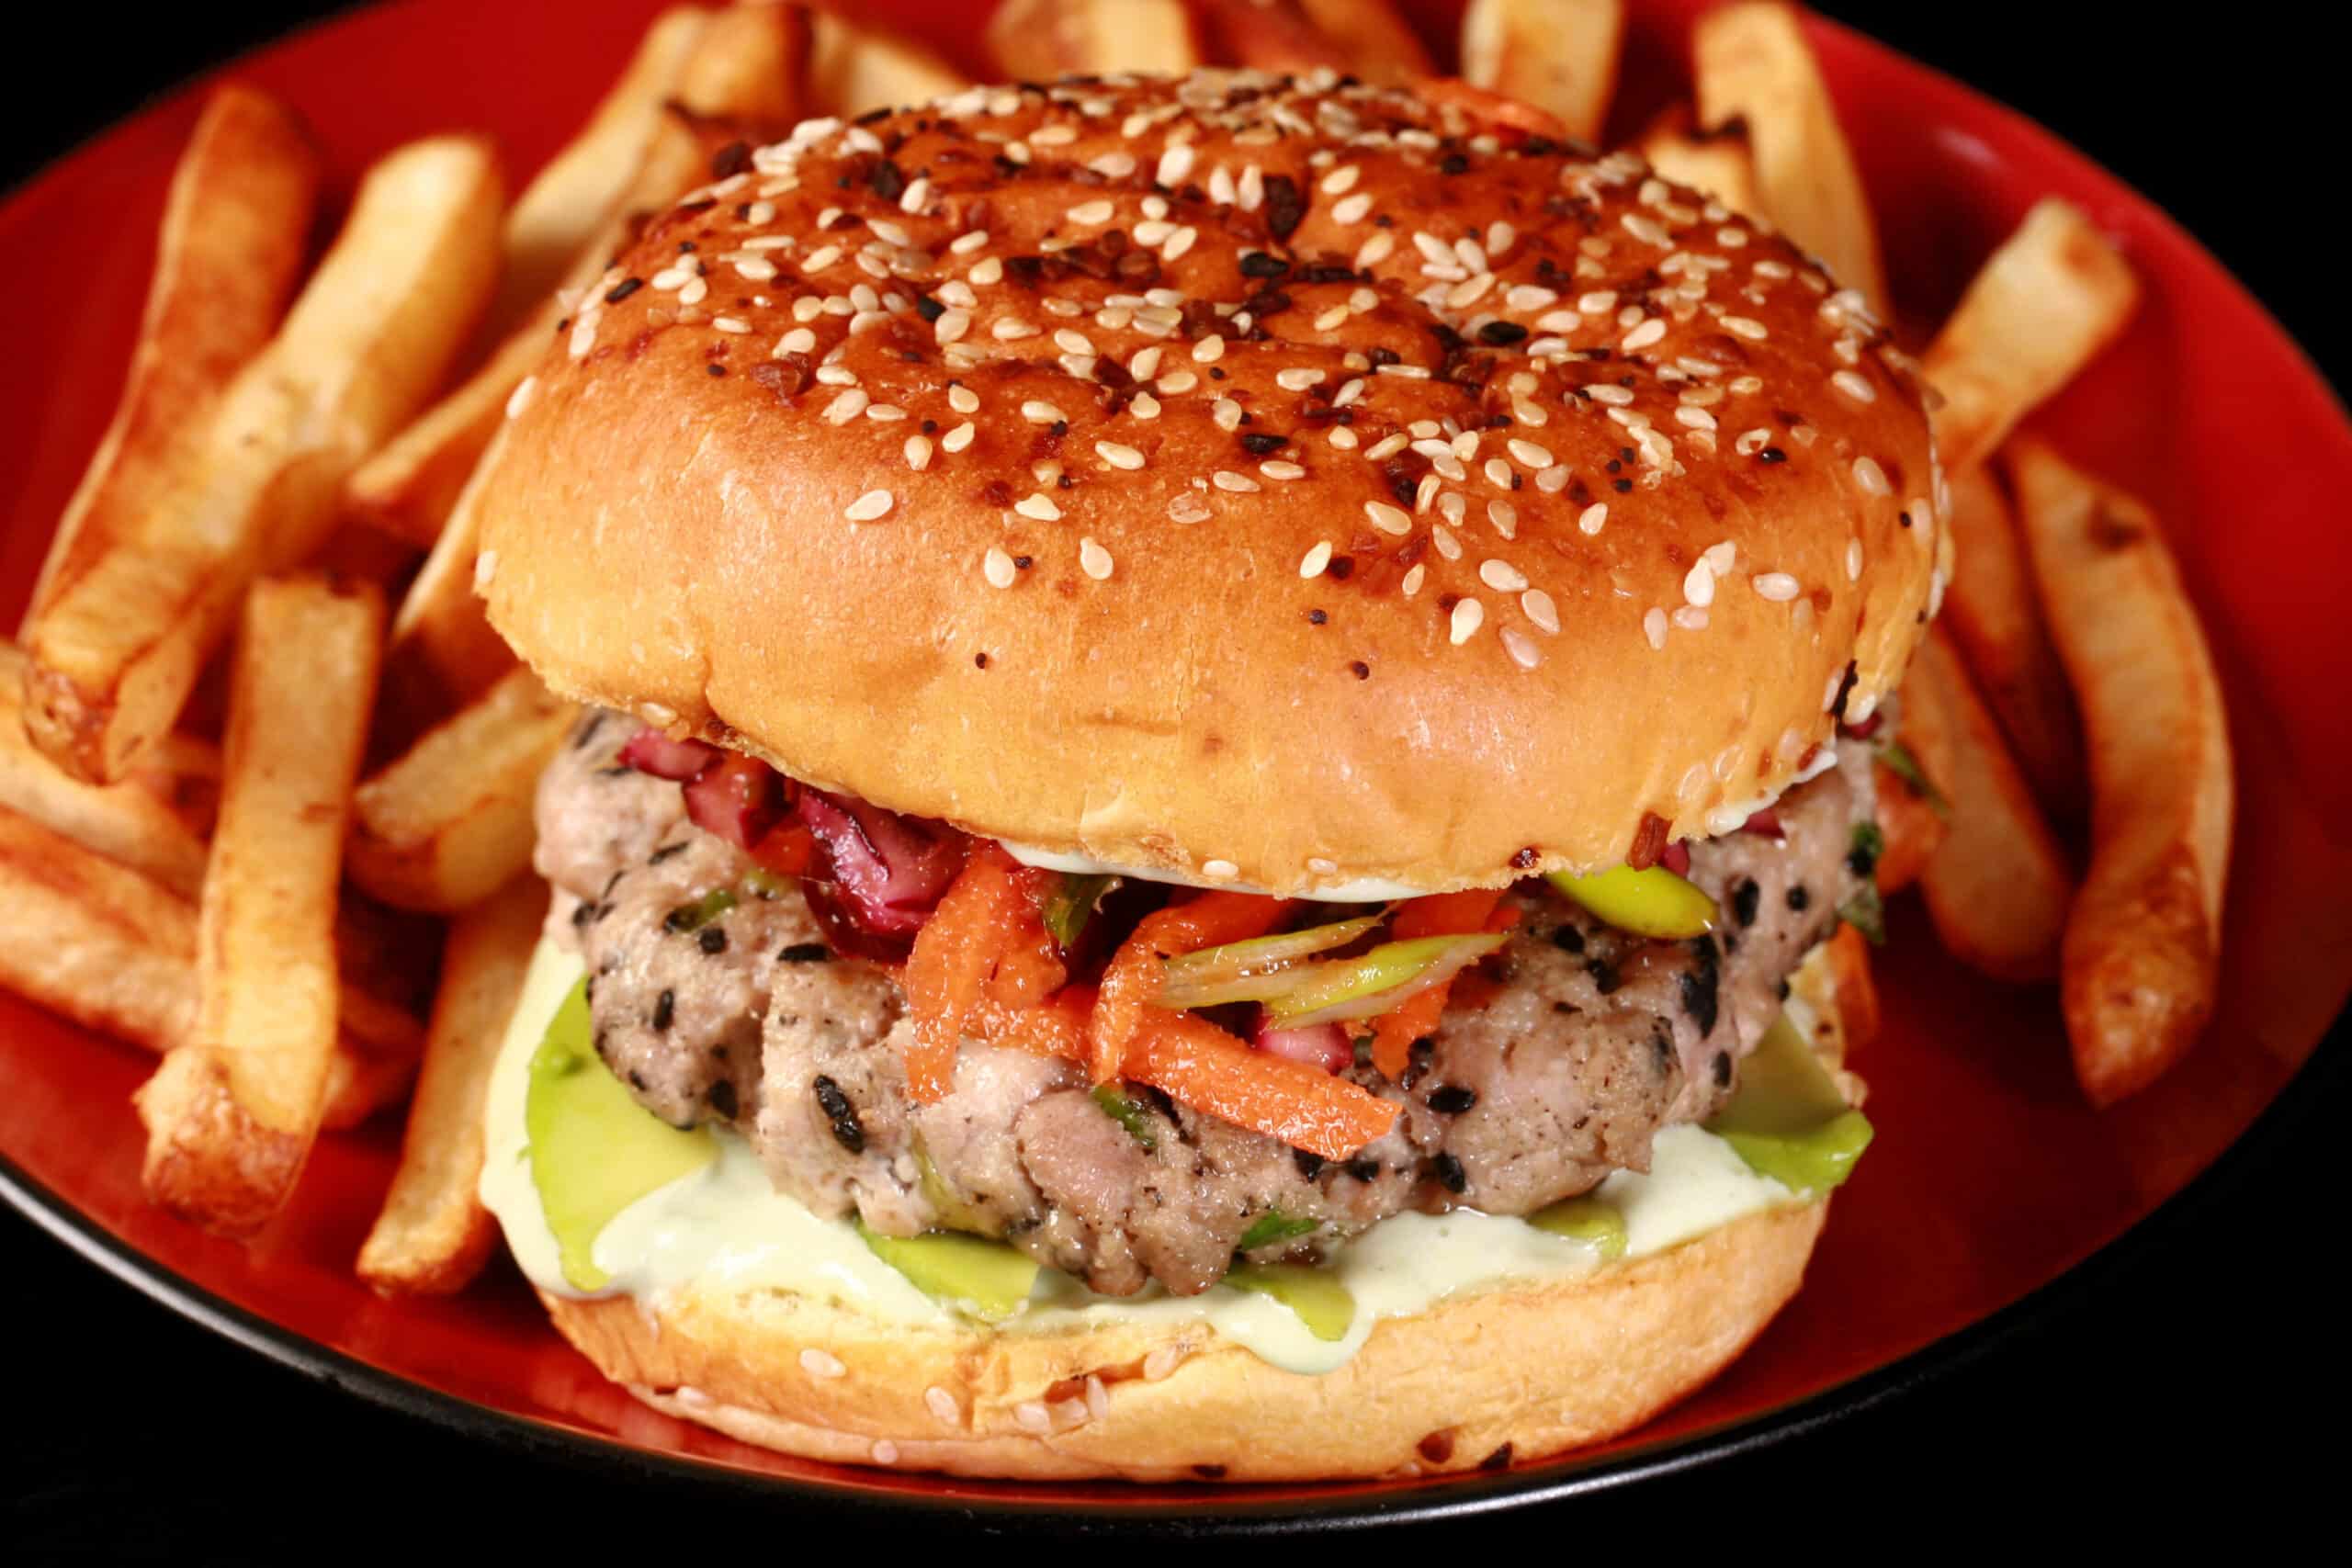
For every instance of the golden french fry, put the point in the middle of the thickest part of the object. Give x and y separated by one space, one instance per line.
2054 295
738 69
1998 887
449 823
232 1113
117 653
434 1235
1559 55
236 230
1717 161
1038 41
1752 63
570 200
1380 44
134 821
115 951
2143 947
360 1086
854 69
1995 616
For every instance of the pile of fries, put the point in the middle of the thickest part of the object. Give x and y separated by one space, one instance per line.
266 775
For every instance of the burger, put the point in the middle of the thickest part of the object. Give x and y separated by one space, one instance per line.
1225 722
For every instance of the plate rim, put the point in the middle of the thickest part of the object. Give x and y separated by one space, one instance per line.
2289 1112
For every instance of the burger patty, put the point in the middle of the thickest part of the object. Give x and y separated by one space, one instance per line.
1554 1066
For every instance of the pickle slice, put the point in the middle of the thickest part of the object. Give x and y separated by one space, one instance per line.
1651 902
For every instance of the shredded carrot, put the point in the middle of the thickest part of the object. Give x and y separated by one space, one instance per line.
955 954
1134 974
1057 1028
1441 914
1201 1066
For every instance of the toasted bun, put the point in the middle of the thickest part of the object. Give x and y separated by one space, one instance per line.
930 544
1538 1369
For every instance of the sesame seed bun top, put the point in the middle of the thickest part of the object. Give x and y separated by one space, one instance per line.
1284 484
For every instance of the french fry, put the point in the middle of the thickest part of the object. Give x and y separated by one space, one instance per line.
570 200
434 1235
1038 41
1998 887
232 1113
1913 824
449 823
1995 616
2143 945
1717 161
852 69
115 951
117 653
2050 298
1559 55
739 69
236 231
1847 955
1751 64
1359 37
133 821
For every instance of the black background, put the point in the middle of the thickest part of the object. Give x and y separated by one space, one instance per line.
2146 1395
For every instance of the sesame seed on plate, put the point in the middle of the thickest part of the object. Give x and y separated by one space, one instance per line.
874 504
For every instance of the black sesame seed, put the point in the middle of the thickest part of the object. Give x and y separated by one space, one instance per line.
1622 487
665 1009
1605 977
1360 669
1316 617
848 1131
1568 938
1259 263
1265 444
713 940
714 370
805 952
623 289
1799 897
929 309
1744 894
1452 1100
1447 1172
1772 455
1501 334
1453 163
730 160
979 661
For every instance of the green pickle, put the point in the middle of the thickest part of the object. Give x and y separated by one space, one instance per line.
1588 1220
987 1278
1788 1120
1273 1226
593 1150
1653 902
1321 1303
1383 968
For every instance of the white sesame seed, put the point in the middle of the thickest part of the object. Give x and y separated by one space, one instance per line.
1447 545
1505 517
1332 318
1853 561
1010 329
1554 480
1341 181
1241 484
1691 618
1538 607
1038 505
1747 327
485 569
1039 412
1315 560
1525 297
1721 558
1855 385
1501 576
1144 406
1694 418
1071 340
520 398
1209 350
997 567
943 1405
1118 454
1187 508
1592 518
1776 586
1179 242
874 504
1227 413
1642 337
846 405
819 260
1165 1359
1468 617
1521 648
1090 213
1278 468
1352 210
1032 1415
1093 559
1872 477
1174 165
885 413
1648 230
1699 583
1176 383
1654 626
965 243
1298 378
1529 455
1375 250
821 1363
1219 870
1411 582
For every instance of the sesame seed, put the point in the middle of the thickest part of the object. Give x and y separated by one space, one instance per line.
1070 341
1747 327
943 1405
1411 582
997 567
1037 413
1853 561
1032 1415
1166 1358
1554 480
885 413
1227 413
874 504
957 439
963 400
1642 337
1590 519
1209 350
1538 607
1090 213
1648 230
1315 560
1526 297
819 260
1187 508
1375 250
1447 545
1699 583
846 405
1521 648
821 1363
1226 479
1178 382
1855 385
1528 453
1691 618
1332 318
1654 626
1505 517
1501 576
1093 559
1174 165
1776 586
1039 506
520 398
1468 617
1872 477
1219 870
1118 454
1341 181
1298 378
1279 468
1010 328
1352 210
1179 242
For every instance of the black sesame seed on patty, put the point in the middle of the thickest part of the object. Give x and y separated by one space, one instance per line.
1447 1172
713 939
805 952
1452 1100
848 1131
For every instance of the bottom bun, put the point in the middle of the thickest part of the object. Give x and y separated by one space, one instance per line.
1519 1373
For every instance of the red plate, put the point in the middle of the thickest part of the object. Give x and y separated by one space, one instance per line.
2196 421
